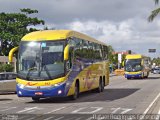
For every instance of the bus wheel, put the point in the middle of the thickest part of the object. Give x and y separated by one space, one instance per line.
99 89
147 74
142 76
76 92
102 89
35 99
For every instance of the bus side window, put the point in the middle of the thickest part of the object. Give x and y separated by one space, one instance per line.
71 56
78 48
72 43
97 52
1 77
106 52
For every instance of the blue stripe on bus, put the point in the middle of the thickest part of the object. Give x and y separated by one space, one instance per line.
53 92
78 66
133 75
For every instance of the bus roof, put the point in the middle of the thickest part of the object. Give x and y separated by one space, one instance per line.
134 56
57 35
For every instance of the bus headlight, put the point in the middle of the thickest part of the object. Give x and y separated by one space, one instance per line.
20 86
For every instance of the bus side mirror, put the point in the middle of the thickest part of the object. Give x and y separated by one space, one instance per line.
11 53
123 63
66 52
142 62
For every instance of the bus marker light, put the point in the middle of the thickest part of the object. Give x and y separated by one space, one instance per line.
59 91
20 92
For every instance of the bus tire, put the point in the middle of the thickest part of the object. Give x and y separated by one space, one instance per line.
102 89
147 74
99 89
76 92
142 76
36 99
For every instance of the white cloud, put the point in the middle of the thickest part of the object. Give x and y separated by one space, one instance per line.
132 34
120 23
105 31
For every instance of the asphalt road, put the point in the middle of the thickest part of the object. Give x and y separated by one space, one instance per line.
122 97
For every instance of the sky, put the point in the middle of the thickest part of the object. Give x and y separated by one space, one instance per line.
120 23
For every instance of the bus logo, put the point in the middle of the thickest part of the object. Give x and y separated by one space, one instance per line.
31 84
47 83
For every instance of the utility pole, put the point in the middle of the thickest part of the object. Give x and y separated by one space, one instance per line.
119 60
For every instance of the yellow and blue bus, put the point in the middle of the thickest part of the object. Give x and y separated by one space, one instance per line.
59 63
136 66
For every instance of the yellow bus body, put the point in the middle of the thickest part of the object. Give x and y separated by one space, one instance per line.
88 78
141 73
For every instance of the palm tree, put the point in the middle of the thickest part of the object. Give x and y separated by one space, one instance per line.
154 12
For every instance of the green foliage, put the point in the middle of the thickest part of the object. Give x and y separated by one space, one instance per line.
28 11
1 68
154 13
156 60
112 57
110 51
6 68
156 1
13 26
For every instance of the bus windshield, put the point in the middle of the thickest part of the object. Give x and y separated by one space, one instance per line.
41 60
133 65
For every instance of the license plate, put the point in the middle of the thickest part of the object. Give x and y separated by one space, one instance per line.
38 93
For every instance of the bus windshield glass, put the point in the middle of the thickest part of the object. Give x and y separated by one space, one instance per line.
133 65
41 60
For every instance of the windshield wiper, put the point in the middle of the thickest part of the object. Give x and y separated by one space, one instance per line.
27 76
34 66
46 69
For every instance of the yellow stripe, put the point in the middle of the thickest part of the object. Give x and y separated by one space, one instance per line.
132 73
40 83
134 56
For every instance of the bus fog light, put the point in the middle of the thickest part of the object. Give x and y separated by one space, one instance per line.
59 91
68 83
20 92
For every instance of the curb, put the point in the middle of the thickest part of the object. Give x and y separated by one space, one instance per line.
111 75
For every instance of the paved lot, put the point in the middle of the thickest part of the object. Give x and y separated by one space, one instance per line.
122 96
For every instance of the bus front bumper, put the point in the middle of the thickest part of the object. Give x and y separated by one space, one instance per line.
58 91
139 75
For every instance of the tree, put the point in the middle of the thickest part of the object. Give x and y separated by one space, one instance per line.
6 67
156 61
13 26
154 13
110 53
113 58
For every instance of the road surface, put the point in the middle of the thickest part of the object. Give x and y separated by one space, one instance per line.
120 97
